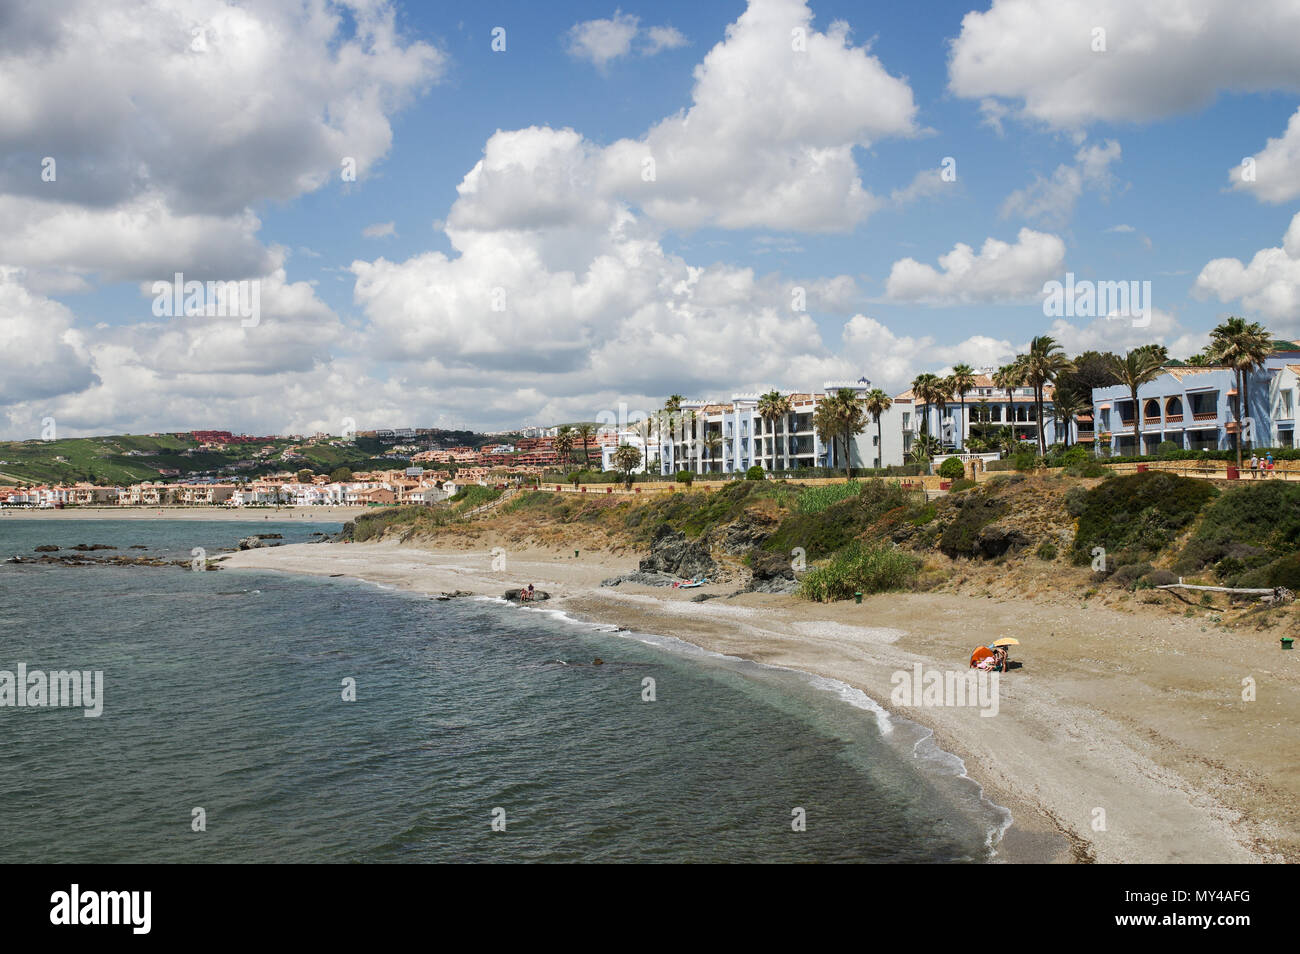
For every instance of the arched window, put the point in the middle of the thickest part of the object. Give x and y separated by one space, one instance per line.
1151 409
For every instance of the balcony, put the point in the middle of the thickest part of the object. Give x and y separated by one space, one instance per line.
1205 415
1173 419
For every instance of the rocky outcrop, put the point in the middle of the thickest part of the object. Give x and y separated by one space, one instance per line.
770 573
537 597
86 547
644 579
255 541
994 541
46 548
672 553
49 559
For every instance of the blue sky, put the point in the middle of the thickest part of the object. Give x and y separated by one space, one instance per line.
222 163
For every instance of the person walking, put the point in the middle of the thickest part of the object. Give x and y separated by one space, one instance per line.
1254 466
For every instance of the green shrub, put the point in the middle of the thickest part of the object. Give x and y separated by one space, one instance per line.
963 484
1167 449
1074 500
821 534
860 567
1130 573
1160 578
685 477
1090 468
952 469
1250 525
1024 460
755 473
1137 516
977 511
1046 551
817 499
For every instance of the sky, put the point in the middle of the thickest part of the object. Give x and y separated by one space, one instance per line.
491 214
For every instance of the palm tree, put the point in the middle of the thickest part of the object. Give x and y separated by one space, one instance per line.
674 403
564 445
962 381
1043 363
585 432
1069 405
840 415
1134 370
712 441
877 403
924 449
1008 378
772 406
644 429
925 389
1242 346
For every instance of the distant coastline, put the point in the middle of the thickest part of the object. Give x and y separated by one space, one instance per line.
315 514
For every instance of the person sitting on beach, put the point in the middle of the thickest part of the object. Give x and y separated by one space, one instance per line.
999 659
530 593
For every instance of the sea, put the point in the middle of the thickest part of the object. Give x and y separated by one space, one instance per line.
251 716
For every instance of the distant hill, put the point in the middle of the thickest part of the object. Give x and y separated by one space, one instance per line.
131 458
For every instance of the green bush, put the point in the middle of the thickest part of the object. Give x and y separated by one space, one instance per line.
1130 573
978 510
1024 460
863 568
1167 449
685 477
821 534
1135 517
952 469
1046 551
963 484
1159 578
1090 468
817 499
1249 525
1074 500
755 473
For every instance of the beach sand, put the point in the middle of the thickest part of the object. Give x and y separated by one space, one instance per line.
305 514
1123 737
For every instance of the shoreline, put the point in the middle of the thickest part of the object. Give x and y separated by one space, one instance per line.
1069 750
315 514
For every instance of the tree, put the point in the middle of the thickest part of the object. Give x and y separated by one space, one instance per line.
1069 405
1008 378
712 441
626 459
564 439
961 381
644 430
584 433
925 388
341 475
924 449
840 416
1043 363
1242 346
1134 370
772 406
304 476
877 403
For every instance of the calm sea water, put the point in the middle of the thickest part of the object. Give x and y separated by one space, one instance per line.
224 691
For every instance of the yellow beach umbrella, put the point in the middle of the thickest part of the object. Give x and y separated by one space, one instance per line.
1006 641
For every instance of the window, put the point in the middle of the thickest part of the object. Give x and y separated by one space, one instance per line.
1287 407
875 440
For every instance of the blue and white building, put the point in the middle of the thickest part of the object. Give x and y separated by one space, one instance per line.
1196 408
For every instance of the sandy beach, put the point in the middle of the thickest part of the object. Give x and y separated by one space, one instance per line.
306 514
1123 737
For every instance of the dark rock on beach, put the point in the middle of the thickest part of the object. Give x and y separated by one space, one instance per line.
255 541
93 546
671 552
644 579
46 548
538 596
